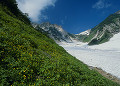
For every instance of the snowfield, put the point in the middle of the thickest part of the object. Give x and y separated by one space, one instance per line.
105 56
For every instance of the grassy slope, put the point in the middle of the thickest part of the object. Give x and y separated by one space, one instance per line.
27 57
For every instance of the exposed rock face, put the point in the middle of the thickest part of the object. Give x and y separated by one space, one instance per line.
54 31
118 12
104 31
97 35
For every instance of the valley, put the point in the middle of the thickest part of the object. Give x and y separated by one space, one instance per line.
104 59
30 54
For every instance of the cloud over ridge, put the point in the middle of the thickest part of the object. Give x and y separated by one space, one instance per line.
34 7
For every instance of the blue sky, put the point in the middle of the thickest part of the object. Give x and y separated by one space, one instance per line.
75 15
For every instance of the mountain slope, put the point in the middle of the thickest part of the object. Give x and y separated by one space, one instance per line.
28 57
112 45
53 31
105 30
81 36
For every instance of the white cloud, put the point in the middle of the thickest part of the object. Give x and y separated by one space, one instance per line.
101 4
34 8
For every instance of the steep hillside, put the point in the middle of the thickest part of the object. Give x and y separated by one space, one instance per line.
112 45
12 7
53 31
105 30
29 58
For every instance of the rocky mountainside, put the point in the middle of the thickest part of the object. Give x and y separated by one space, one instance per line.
104 31
54 31
97 35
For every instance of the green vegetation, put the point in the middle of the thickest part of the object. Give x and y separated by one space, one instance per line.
99 29
28 57
110 19
12 7
88 38
103 39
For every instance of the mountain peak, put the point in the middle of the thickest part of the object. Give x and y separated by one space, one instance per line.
118 12
54 31
87 32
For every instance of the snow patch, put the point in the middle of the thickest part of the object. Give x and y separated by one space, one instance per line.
87 32
103 56
112 45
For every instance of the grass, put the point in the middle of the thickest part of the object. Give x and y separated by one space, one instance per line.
28 57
